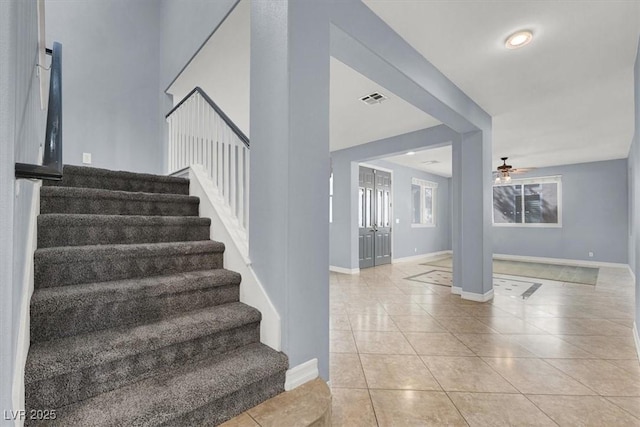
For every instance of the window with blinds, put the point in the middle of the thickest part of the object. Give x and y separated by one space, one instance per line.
528 202
423 203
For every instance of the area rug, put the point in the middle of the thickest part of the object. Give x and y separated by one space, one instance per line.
506 287
559 273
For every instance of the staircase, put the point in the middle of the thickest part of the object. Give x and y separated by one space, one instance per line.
134 321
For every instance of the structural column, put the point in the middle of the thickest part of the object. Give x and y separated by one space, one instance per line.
472 204
343 243
289 171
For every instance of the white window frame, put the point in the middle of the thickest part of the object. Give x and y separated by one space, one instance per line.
557 179
434 203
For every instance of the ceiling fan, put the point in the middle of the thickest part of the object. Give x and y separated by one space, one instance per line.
504 172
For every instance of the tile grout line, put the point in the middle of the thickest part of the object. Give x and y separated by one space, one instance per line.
618 406
607 298
373 408
429 370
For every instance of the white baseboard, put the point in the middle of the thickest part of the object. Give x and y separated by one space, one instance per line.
561 261
343 270
471 296
633 275
421 257
636 339
301 374
456 290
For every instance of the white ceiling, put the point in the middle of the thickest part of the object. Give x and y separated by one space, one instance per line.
221 68
353 122
565 98
440 155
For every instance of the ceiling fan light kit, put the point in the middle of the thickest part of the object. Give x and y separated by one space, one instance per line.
504 171
503 178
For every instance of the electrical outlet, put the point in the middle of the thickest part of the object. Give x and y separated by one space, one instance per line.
415 250
397 220
86 158
590 254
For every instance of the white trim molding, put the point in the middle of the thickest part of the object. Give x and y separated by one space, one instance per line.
344 270
560 261
24 335
301 374
456 290
423 184
421 257
472 296
556 179
636 339
225 229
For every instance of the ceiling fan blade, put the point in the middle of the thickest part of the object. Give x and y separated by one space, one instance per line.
521 170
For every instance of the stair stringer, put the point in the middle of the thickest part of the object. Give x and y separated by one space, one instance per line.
225 229
26 275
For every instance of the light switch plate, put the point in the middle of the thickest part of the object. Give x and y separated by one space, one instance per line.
86 158
397 220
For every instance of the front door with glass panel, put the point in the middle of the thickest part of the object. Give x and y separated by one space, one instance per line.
374 217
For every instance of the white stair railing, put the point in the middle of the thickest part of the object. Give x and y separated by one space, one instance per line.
200 133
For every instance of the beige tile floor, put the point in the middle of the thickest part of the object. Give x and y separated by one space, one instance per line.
405 353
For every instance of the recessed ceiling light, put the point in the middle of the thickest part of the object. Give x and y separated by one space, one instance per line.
518 39
411 153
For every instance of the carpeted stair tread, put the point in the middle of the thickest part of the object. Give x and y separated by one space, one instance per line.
82 229
134 320
71 265
50 299
70 310
88 177
113 202
53 358
204 393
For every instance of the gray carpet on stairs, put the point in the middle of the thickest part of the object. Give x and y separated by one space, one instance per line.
79 230
133 319
108 202
83 177
207 392
71 265
70 310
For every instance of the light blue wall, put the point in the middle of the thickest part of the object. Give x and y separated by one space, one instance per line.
364 42
594 217
185 25
411 241
289 219
21 134
344 235
110 81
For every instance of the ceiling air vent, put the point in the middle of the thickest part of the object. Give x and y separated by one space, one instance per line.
373 98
